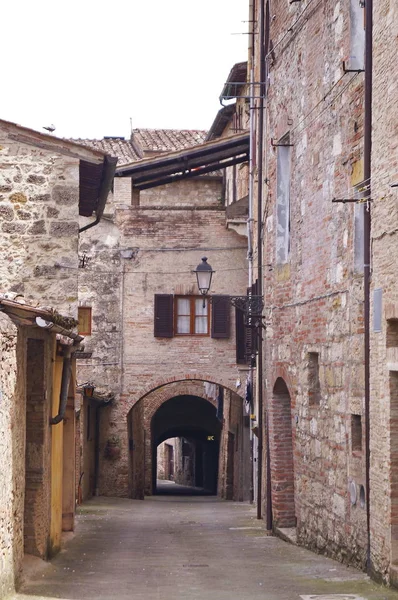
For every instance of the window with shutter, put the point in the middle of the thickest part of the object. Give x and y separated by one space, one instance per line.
220 323
163 326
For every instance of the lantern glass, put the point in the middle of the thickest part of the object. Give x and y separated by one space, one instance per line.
204 274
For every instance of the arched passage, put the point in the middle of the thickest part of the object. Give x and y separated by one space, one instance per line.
282 461
194 420
230 428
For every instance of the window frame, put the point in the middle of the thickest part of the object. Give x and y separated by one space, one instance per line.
88 317
192 316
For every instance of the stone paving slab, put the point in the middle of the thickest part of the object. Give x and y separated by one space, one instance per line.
195 548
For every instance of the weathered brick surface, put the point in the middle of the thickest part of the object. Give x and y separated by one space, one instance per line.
168 233
314 299
384 353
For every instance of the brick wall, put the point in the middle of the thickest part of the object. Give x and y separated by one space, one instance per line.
313 295
166 237
384 350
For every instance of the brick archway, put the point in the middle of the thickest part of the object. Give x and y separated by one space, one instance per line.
139 419
282 461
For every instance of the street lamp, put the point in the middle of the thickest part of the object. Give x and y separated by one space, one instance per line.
251 305
204 273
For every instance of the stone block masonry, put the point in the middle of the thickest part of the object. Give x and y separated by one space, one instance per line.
313 280
39 207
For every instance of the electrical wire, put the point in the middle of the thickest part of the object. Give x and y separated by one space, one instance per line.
292 27
341 92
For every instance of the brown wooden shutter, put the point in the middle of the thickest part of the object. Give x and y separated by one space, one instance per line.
220 317
240 337
163 326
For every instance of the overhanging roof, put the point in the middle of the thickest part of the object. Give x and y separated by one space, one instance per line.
96 167
235 83
188 163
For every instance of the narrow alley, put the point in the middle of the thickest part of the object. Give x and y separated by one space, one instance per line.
188 548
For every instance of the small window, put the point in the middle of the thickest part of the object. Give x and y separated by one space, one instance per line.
357 35
359 215
84 314
356 433
392 333
191 315
283 200
135 195
314 385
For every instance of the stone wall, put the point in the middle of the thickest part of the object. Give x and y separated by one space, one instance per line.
384 340
39 197
12 448
313 293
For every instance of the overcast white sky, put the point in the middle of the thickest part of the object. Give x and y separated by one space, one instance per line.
88 66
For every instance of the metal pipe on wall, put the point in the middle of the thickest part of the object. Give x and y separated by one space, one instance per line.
367 249
260 256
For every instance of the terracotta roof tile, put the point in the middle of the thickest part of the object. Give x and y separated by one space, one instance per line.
122 149
145 141
166 140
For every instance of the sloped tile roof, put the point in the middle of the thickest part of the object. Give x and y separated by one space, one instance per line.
120 148
167 140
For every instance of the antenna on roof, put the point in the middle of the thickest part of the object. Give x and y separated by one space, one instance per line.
131 125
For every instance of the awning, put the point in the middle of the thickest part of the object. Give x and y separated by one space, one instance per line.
188 163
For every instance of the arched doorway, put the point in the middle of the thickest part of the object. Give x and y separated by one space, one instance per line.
193 424
210 419
282 461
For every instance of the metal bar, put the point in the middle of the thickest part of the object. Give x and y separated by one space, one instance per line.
204 150
189 164
191 174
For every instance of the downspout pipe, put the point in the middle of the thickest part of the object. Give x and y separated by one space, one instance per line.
63 396
108 175
260 258
367 251
264 74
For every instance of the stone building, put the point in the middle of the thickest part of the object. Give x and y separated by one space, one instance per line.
308 105
155 344
384 296
45 184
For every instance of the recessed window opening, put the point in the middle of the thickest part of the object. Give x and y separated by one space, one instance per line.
359 215
84 316
314 384
356 433
192 315
392 333
283 200
357 36
135 195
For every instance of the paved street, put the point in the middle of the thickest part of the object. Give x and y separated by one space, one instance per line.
188 548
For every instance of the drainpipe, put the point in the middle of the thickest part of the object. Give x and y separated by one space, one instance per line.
97 449
260 257
367 249
63 396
